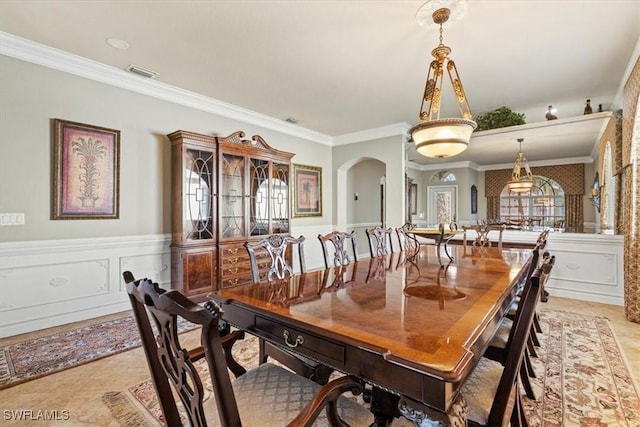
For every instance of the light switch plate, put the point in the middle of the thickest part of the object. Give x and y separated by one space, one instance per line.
12 218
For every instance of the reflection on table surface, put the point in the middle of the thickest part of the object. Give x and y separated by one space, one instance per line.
409 307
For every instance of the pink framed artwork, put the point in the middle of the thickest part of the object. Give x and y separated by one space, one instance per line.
307 190
86 171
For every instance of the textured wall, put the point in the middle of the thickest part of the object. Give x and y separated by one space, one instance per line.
631 195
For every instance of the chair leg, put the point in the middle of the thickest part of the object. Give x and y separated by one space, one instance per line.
534 338
531 347
523 415
262 353
526 383
527 362
536 323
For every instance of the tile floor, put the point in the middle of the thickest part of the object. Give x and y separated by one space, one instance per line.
79 390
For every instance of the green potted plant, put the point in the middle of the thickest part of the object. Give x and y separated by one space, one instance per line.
499 118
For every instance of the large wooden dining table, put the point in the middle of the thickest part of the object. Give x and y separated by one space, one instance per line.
412 328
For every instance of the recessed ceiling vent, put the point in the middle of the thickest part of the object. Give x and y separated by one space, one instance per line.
141 71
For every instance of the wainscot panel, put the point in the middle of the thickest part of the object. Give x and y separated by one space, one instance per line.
54 282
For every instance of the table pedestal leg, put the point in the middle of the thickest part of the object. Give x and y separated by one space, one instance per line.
384 407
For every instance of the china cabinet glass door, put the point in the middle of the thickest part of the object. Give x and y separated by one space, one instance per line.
198 215
232 196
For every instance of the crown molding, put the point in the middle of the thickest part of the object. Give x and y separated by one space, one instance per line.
27 50
551 162
451 165
395 129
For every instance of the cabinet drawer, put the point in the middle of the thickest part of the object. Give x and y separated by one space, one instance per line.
228 270
236 250
236 280
311 345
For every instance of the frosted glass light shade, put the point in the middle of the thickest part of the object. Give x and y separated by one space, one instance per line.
521 186
442 137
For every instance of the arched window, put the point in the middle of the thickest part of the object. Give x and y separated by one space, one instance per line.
543 206
443 176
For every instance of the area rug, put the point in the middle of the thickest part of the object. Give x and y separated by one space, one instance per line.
33 359
582 377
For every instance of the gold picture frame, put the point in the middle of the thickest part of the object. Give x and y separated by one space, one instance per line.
307 190
86 171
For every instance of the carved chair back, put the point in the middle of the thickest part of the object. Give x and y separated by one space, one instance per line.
336 242
379 241
177 366
406 239
483 234
276 246
158 376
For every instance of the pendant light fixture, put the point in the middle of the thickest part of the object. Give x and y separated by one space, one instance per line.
433 136
519 183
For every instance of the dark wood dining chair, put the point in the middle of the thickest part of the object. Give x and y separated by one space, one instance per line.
249 399
546 269
493 402
483 235
499 346
158 378
342 245
407 240
277 246
379 241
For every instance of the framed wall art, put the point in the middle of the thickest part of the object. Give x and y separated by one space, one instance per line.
307 190
442 205
413 199
86 171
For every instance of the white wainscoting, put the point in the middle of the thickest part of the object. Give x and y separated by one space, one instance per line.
54 282
589 267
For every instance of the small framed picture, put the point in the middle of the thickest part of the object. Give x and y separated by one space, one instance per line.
86 169
413 199
307 190
474 199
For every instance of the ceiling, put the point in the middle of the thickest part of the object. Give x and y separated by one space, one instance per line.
340 67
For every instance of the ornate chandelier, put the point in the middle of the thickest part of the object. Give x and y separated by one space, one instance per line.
433 136
519 183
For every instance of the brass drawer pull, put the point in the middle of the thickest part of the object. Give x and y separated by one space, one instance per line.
299 340
232 251
233 260
232 282
232 270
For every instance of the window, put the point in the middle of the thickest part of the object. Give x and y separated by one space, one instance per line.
543 206
443 176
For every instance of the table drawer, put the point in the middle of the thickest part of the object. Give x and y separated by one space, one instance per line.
311 345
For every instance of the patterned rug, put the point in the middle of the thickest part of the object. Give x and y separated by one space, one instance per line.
582 378
32 359
580 368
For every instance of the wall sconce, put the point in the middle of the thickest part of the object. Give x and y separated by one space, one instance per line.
595 193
